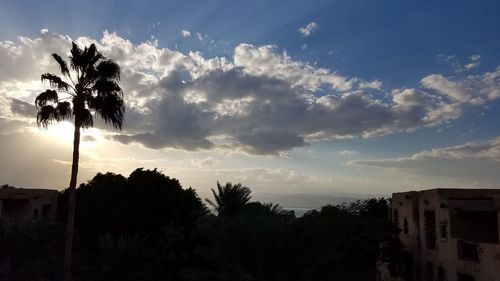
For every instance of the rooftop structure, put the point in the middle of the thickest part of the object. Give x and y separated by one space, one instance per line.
450 235
28 204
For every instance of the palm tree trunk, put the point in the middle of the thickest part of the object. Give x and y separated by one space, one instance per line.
71 204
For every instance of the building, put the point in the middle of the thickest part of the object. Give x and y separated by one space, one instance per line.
28 204
450 235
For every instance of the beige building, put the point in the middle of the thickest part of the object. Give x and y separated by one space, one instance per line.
28 204
450 234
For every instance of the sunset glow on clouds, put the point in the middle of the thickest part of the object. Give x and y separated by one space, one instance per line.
270 115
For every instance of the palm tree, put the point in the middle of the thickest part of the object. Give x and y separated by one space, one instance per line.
230 199
90 86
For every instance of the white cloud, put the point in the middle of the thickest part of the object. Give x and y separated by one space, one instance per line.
185 33
456 65
469 164
348 153
308 29
204 162
266 60
261 101
475 57
475 89
304 46
472 65
474 61
199 36
375 84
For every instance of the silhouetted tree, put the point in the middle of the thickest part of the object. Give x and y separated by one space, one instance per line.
230 199
346 243
31 250
145 203
375 208
269 209
91 83
120 259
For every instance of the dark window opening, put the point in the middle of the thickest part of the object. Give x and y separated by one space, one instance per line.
405 226
475 226
395 217
46 209
16 208
464 277
408 268
429 271
443 230
35 214
467 251
441 275
430 229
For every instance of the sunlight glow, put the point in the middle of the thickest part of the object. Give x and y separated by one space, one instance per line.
63 133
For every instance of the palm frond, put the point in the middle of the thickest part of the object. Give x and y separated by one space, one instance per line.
62 64
110 107
76 56
92 56
46 115
91 74
230 199
104 86
85 118
45 97
55 81
64 110
109 69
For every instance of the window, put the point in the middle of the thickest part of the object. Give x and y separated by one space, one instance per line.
429 271
441 276
405 226
46 210
35 214
467 251
464 277
475 226
395 217
443 230
430 229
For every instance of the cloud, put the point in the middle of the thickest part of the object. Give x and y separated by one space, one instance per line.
270 142
475 57
185 33
348 153
89 138
474 62
308 29
204 162
375 84
199 36
260 101
266 60
473 163
474 89
454 62
304 46
472 65
23 108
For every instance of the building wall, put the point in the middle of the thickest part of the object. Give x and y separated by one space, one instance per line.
28 204
443 262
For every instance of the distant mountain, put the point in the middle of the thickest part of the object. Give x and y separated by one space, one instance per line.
302 200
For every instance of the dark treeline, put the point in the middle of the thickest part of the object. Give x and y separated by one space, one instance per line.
147 227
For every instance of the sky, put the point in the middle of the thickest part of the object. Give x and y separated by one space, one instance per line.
347 97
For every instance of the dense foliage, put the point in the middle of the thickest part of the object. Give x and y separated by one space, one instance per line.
147 227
